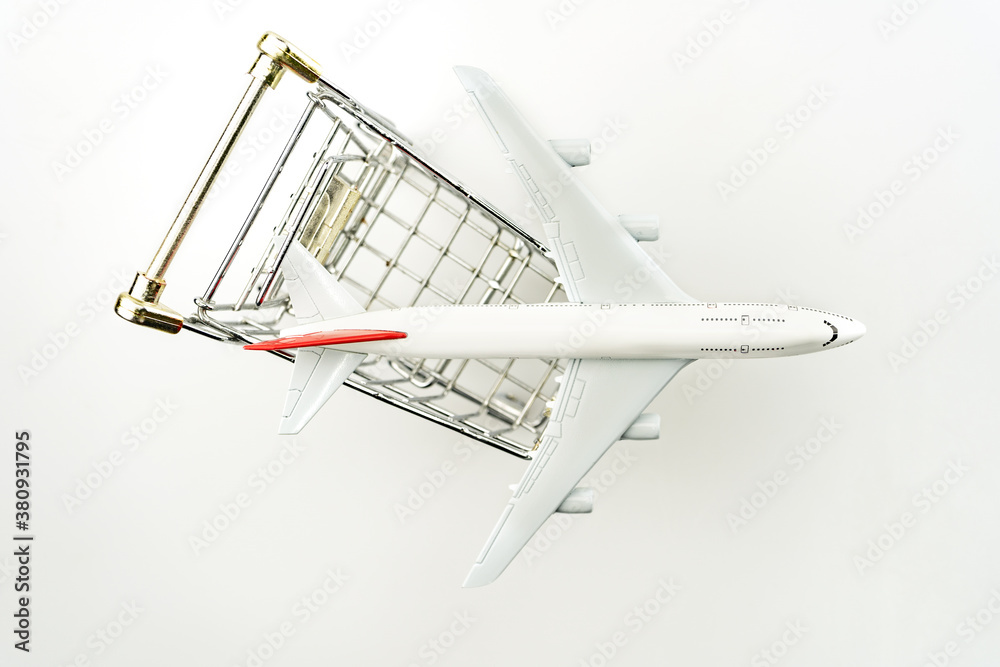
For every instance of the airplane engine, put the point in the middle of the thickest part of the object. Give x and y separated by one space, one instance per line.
645 427
574 152
642 227
579 501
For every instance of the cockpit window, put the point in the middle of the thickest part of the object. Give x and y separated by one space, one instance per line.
834 333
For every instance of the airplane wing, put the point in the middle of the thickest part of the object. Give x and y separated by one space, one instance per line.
598 260
613 393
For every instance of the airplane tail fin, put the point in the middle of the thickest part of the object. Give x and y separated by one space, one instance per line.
316 296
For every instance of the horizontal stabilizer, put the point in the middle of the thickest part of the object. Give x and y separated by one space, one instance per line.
316 376
318 338
319 371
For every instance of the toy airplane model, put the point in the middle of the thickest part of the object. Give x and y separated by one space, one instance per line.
627 328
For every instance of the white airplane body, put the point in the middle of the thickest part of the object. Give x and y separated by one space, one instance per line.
624 339
594 331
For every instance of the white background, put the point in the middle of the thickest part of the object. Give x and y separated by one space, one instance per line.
68 239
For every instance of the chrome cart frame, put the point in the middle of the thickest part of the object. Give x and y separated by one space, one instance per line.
395 230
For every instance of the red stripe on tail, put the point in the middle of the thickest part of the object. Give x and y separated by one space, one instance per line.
335 337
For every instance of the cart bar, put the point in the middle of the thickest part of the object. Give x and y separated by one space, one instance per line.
259 203
141 303
381 127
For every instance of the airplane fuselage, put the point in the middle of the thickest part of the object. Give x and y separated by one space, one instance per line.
609 331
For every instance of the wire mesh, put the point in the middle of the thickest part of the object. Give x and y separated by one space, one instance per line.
397 232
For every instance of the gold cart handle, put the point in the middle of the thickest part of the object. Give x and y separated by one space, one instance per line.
141 304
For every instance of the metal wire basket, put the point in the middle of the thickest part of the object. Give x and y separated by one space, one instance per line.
397 232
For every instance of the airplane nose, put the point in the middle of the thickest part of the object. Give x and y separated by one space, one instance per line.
851 330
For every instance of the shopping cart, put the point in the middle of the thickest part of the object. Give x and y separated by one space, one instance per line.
395 230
